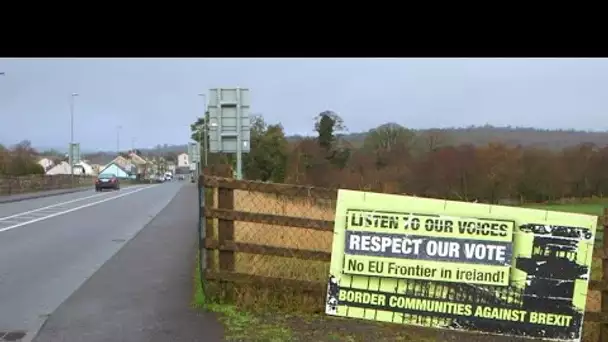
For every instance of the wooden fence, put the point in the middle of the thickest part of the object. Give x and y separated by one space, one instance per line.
221 246
223 239
601 285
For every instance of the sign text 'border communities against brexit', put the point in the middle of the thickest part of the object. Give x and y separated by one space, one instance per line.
394 302
428 247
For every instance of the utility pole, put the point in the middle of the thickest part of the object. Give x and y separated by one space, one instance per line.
71 155
206 127
118 139
201 135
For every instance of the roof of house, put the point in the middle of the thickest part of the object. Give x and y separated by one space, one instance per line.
100 159
61 168
120 160
64 168
137 159
123 168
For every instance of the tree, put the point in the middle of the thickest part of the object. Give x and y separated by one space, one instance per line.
23 160
501 169
490 167
386 139
540 178
268 156
598 174
432 140
327 124
307 163
52 153
5 160
197 127
577 162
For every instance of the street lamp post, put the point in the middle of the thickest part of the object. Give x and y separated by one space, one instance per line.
201 136
206 126
71 155
118 128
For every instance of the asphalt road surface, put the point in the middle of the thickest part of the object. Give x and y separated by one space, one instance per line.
144 292
50 246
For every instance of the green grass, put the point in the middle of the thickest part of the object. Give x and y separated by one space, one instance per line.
580 208
240 325
589 207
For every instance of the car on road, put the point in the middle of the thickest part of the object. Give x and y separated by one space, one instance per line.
107 181
181 177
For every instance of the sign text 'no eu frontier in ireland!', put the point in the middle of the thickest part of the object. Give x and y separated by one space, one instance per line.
428 247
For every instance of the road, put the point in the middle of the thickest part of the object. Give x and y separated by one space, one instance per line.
49 246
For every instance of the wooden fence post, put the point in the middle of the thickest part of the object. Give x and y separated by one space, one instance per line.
225 229
604 294
210 232
226 233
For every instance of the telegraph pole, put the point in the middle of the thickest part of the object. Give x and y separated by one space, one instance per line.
118 139
71 155
205 127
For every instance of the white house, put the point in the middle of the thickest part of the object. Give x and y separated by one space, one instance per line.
183 160
46 163
63 168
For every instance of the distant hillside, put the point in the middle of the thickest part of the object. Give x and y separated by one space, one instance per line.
551 139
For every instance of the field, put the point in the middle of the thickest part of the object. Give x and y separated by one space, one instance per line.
591 207
263 301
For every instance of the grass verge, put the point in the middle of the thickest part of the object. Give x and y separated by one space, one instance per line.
240 325
258 326
282 326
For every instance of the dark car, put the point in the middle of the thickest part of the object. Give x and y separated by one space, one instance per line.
107 181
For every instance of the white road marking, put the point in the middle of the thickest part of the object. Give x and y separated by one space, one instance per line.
50 206
12 220
74 209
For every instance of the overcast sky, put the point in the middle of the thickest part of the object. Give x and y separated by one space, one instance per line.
155 100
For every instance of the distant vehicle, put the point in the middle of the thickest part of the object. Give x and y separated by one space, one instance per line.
160 178
107 181
168 176
181 177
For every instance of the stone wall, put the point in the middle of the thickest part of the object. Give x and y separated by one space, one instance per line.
33 183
